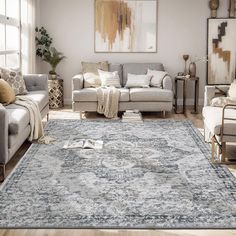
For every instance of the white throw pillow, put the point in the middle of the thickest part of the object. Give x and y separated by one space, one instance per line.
91 80
138 81
232 91
109 79
157 77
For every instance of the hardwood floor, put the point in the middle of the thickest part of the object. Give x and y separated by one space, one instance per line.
67 113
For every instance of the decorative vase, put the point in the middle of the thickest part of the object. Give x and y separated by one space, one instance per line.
185 57
232 8
192 69
214 5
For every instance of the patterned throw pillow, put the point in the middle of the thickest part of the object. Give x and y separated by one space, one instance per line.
15 80
109 79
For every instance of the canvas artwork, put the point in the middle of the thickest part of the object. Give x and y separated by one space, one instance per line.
221 51
125 25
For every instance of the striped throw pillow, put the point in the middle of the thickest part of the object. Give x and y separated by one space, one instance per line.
109 79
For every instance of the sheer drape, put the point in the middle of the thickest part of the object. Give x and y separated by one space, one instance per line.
28 18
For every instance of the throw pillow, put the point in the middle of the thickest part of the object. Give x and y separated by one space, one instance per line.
109 79
157 77
88 67
222 101
7 94
232 91
15 80
91 80
138 81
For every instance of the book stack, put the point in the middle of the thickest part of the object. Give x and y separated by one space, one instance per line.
133 116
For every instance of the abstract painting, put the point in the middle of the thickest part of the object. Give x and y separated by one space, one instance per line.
125 26
221 51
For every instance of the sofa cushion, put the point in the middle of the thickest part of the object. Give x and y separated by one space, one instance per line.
18 118
139 69
90 95
213 120
150 95
41 97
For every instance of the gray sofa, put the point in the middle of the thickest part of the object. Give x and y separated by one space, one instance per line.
143 99
14 119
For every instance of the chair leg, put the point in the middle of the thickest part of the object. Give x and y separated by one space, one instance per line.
213 149
81 115
2 172
164 114
48 117
223 146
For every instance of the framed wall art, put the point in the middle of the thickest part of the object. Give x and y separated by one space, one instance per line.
126 26
221 51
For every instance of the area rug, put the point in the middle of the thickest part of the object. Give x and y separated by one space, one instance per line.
153 175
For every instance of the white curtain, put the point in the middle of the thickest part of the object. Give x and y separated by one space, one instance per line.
28 21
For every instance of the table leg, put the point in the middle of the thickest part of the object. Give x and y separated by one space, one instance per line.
176 96
196 95
184 96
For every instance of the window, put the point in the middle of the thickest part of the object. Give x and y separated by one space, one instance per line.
10 33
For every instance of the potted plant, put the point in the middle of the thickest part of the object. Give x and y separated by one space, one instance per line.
46 52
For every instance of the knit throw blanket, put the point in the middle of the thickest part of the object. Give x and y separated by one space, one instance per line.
36 124
108 101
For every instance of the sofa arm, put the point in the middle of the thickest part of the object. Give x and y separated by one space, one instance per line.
36 82
77 82
167 83
212 91
3 135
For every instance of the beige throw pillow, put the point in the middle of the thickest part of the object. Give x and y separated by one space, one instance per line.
138 81
157 77
90 73
88 67
109 79
91 80
232 91
7 94
15 80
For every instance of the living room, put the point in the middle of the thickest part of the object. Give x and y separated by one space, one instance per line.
117 117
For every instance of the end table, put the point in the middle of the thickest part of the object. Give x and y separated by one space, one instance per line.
184 81
56 94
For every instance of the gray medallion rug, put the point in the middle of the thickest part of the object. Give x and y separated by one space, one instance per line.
152 175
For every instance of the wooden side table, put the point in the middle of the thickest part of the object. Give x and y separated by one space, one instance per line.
56 94
184 81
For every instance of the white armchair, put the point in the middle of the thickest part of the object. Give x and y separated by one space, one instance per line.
219 123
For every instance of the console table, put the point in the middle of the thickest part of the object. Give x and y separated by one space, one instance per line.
56 94
184 81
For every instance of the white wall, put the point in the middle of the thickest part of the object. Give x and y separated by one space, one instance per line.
182 27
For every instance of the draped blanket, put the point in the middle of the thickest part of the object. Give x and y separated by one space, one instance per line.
108 101
36 124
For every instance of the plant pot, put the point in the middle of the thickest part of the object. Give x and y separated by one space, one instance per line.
53 76
192 69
